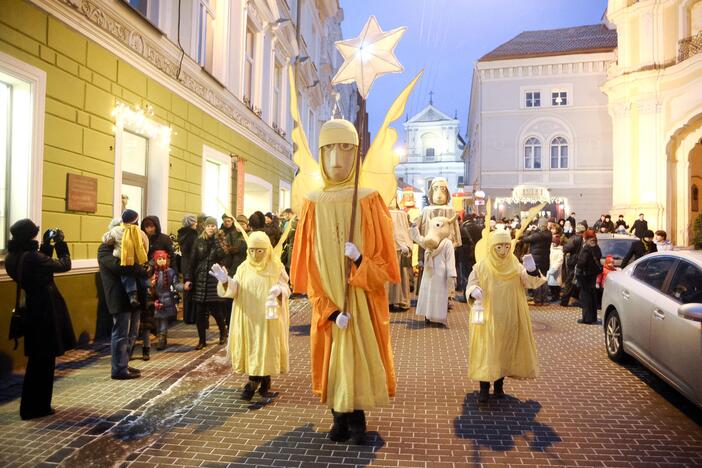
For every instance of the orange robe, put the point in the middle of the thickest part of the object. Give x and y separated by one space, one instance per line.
378 266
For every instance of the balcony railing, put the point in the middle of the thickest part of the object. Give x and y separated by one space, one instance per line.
689 46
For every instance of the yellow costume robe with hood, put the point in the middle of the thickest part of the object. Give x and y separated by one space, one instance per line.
352 368
258 346
504 345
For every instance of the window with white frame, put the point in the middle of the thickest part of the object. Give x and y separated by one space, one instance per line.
532 153
22 94
533 99
284 196
249 51
206 10
559 98
277 88
135 180
559 153
216 182
148 9
429 154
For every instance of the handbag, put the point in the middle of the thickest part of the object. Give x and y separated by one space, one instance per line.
20 310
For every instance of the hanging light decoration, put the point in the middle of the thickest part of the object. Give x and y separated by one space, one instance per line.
141 121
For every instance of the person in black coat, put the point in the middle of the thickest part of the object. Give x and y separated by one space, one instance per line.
640 248
208 250
471 233
639 227
187 235
125 318
235 243
588 267
151 225
48 331
608 224
620 222
539 242
570 259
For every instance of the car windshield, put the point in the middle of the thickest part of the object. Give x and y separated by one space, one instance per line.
617 248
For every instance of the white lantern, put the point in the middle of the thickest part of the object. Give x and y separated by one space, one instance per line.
272 308
477 313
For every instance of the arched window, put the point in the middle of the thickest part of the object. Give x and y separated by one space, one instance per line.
559 153
695 202
532 154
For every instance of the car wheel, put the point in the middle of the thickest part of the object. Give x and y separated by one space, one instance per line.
613 337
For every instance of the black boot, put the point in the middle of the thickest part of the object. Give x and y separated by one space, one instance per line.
162 341
200 345
222 337
484 392
249 389
357 427
340 429
499 392
265 386
146 354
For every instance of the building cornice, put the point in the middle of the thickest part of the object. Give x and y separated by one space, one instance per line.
564 65
100 23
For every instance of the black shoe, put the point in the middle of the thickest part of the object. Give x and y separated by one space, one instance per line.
484 392
499 390
265 386
162 342
134 370
249 389
584 322
127 376
146 354
27 416
222 338
134 300
359 439
200 345
339 433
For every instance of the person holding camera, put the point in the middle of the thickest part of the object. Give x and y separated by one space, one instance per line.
45 321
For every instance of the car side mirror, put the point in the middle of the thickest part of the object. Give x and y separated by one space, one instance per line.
691 312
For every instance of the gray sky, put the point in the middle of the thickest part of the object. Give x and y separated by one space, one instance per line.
446 37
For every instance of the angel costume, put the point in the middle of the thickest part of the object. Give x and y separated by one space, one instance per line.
439 275
352 366
258 346
502 346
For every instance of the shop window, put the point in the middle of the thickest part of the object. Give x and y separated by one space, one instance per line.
216 182
22 89
532 154
695 202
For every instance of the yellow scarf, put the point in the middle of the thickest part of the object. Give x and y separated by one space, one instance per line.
133 251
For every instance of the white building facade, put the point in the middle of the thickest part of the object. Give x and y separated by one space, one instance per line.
434 149
655 102
538 122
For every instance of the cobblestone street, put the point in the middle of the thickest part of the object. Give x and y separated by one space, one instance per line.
583 410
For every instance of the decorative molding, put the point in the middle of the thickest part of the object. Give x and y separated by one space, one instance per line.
152 53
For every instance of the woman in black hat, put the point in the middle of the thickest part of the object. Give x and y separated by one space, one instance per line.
47 325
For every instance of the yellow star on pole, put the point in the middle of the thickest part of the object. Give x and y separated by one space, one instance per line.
368 56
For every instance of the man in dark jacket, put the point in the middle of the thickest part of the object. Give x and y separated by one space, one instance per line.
570 259
621 222
640 226
186 240
125 319
234 242
640 248
539 242
608 224
471 233
572 220
47 326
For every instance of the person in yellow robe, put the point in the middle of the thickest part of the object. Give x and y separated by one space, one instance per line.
503 345
352 362
258 330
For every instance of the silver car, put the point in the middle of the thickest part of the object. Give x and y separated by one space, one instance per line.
653 312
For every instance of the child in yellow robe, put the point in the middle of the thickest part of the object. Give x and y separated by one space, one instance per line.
503 345
258 330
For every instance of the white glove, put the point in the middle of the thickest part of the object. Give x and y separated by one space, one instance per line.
275 290
220 273
342 320
529 263
405 250
477 294
351 251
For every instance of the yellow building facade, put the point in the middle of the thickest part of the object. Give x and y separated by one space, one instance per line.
90 88
655 101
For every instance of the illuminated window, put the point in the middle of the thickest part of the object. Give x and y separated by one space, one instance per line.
216 182
135 181
559 153
532 154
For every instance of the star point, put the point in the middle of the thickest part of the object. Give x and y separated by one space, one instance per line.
368 56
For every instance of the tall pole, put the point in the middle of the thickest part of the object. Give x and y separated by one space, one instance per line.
354 200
